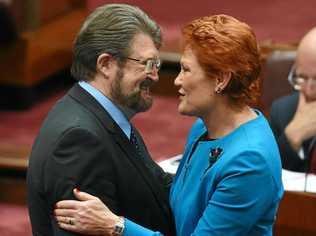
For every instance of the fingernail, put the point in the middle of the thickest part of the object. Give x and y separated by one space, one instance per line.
77 189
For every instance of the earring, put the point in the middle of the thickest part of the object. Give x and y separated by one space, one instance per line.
218 90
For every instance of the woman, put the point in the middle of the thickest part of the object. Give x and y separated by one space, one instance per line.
229 180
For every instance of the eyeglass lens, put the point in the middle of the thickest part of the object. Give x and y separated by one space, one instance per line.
151 64
297 81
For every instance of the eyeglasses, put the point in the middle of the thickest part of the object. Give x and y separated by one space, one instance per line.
297 81
150 64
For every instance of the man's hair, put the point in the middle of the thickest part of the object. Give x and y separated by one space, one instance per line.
110 29
224 44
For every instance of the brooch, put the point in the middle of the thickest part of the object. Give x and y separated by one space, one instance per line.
214 155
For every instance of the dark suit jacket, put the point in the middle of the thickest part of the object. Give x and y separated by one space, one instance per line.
8 32
79 145
282 112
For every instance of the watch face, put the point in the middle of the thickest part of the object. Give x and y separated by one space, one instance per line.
119 227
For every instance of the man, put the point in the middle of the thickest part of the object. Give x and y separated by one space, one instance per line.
87 140
293 117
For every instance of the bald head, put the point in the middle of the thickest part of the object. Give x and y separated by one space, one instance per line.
306 53
306 62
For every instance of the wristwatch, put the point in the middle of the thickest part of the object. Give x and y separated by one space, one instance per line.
119 227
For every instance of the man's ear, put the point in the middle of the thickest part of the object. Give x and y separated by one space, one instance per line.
222 81
105 64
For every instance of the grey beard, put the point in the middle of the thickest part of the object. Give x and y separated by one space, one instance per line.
132 103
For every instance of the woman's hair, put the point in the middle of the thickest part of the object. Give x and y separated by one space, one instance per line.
110 29
223 44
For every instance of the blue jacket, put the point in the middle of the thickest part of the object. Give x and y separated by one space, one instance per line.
228 186
235 192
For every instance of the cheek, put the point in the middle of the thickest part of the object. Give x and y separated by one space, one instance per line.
136 81
310 92
130 85
202 98
200 91
132 80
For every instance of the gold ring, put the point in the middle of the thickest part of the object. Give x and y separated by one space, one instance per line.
71 222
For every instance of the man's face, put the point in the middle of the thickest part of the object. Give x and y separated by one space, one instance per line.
132 85
306 69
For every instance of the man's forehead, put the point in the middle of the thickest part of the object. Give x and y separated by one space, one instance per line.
305 69
143 46
306 63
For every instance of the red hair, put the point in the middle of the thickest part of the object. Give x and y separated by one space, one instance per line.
224 44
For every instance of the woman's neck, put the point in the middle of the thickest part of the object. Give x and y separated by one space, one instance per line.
224 120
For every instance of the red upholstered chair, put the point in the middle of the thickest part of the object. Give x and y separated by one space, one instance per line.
274 75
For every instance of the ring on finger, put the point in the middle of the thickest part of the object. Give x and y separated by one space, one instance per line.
71 222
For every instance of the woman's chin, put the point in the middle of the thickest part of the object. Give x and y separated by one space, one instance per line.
184 111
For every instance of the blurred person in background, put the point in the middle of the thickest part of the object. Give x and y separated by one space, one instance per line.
293 117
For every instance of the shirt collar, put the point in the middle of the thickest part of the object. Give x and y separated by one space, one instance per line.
116 114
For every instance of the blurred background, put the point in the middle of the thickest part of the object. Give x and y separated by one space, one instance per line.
36 39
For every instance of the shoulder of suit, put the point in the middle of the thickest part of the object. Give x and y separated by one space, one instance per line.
286 101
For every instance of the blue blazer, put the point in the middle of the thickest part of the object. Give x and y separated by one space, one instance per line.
229 186
235 190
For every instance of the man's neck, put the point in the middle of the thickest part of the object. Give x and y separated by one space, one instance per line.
129 113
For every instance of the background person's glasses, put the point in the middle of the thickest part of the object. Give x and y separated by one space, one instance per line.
297 81
150 64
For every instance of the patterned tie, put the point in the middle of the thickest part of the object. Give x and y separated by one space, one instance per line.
313 160
134 142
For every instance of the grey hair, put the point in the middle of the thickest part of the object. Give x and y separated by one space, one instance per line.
110 29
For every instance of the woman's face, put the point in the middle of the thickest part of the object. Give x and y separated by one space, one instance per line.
196 89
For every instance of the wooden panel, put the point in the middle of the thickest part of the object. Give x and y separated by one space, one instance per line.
296 215
31 14
41 53
49 10
13 157
13 190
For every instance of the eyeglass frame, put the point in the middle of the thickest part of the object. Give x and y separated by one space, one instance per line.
149 64
292 77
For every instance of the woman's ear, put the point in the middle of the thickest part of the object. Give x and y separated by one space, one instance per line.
222 81
105 64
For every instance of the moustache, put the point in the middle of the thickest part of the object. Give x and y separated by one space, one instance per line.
146 83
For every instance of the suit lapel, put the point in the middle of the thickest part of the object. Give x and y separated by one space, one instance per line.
151 180
120 138
290 107
91 104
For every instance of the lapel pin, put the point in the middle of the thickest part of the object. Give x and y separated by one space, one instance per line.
213 157
215 153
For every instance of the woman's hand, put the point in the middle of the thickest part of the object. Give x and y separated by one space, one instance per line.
87 216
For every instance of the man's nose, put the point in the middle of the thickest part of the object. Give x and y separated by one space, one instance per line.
311 82
309 89
154 75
